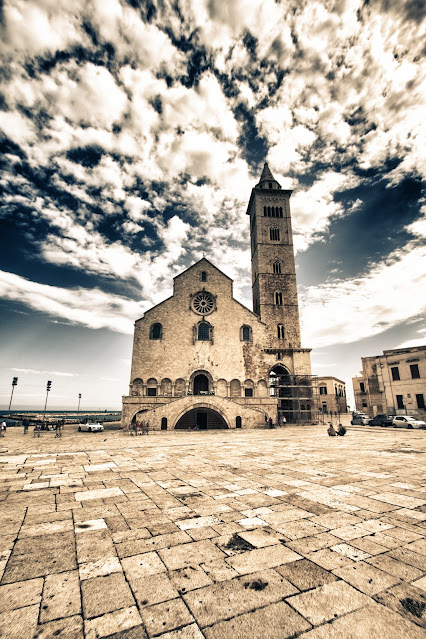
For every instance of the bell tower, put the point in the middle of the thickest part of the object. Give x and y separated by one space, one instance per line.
273 266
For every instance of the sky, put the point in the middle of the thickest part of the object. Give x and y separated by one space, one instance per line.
131 135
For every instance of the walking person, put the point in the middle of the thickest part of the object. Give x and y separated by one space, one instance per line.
3 429
26 426
283 420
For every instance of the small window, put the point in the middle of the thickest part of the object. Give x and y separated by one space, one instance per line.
204 331
281 211
248 392
151 392
164 423
277 267
395 373
420 400
238 422
156 331
270 185
364 404
323 390
415 373
278 299
280 331
246 333
400 401
203 276
362 387
274 234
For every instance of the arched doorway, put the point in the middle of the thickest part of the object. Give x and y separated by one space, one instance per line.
201 419
201 384
164 423
139 416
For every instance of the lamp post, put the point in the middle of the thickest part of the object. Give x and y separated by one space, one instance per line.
79 398
14 383
49 384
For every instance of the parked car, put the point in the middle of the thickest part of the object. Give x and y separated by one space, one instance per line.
360 419
382 420
406 421
91 427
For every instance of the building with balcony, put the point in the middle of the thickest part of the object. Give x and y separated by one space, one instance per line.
331 395
393 383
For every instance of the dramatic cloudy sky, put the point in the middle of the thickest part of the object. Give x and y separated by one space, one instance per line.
132 132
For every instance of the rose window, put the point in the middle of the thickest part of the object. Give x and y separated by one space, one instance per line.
203 303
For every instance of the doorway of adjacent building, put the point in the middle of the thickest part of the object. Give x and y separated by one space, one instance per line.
201 384
203 419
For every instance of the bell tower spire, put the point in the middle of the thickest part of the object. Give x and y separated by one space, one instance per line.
273 266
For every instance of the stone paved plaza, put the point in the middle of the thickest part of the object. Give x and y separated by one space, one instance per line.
222 534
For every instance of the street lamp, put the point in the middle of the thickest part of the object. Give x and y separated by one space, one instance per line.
14 383
49 384
79 398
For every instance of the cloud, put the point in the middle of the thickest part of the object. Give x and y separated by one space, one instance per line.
43 372
92 308
343 311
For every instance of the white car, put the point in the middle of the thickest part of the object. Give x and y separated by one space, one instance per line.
406 421
91 427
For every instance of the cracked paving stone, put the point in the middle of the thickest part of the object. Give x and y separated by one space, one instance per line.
237 596
276 620
328 601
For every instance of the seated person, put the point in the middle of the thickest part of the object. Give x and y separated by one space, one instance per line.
330 430
341 430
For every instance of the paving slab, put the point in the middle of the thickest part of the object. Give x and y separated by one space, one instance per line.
276 620
237 596
213 534
371 622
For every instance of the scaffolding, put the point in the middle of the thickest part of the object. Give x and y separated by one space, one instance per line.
297 397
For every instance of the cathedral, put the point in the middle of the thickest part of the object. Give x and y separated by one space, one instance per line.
203 360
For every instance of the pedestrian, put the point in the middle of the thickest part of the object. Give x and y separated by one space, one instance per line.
283 420
270 422
3 429
341 430
37 430
147 427
26 426
58 429
331 431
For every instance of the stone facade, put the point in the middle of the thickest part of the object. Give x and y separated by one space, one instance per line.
332 395
393 383
200 357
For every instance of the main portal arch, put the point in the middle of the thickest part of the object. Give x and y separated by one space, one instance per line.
201 417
